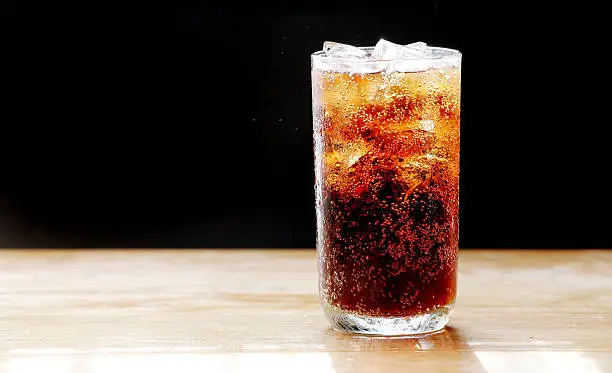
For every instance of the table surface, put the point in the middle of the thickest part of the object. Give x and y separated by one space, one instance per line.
69 311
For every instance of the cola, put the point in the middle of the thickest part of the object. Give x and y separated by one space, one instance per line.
386 146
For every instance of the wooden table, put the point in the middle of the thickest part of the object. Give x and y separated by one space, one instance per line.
184 311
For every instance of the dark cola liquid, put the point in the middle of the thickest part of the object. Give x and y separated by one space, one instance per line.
387 168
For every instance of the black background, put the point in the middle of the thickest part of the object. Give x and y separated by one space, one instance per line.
188 124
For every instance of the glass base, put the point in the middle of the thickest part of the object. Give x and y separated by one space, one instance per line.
389 326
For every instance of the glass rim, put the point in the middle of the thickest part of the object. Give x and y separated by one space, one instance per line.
444 53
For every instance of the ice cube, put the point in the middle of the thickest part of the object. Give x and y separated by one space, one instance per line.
352 152
444 174
339 50
436 58
386 50
367 173
427 125
404 58
345 155
346 58
415 175
407 144
417 45
344 167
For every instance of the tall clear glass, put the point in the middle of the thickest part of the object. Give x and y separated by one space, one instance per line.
386 146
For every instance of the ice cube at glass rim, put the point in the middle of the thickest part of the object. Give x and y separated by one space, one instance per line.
440 57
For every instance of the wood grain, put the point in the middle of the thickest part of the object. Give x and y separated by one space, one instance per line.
72 311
